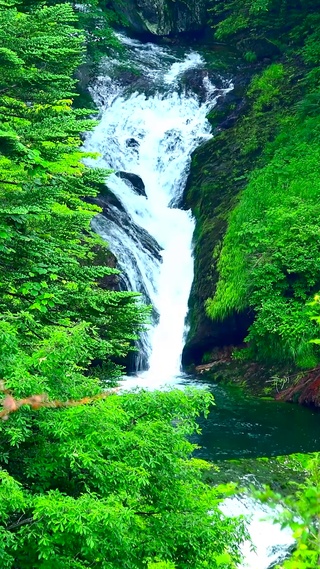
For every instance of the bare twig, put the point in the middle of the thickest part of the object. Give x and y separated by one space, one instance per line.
11 405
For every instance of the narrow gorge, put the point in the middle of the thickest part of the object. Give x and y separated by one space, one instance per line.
154 112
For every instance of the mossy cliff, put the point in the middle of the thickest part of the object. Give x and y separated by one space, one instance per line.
254 190
163 17
220 169
211 193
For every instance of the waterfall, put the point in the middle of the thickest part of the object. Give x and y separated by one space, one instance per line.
150 123
152 117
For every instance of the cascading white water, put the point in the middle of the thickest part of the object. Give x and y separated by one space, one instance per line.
153 137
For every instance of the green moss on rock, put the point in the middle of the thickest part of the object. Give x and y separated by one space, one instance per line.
220 169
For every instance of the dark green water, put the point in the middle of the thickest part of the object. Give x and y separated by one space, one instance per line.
240 426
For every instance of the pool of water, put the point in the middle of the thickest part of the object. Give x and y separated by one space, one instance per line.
241 426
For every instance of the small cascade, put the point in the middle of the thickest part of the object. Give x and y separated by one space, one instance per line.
269 543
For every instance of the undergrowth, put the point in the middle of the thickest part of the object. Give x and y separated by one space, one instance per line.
269 260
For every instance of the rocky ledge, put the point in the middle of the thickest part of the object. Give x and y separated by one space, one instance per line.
163 17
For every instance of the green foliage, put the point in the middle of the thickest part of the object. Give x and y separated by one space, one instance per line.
49 281
239 16
221 168
279 24
109 484
96 18
161 565
250 56
266 87
270 256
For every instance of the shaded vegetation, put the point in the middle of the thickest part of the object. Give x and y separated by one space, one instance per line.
265 267
301 513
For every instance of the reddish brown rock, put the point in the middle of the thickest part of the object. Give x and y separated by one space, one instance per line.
306 390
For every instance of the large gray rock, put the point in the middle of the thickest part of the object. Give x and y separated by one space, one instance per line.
163 17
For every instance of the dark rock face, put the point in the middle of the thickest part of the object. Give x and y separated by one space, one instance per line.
134 181
132 143
211 196
209 334
216 177
104 257
113 209
106 200
163 17
194 80
262 48
220 169
134 81
114 214
230 105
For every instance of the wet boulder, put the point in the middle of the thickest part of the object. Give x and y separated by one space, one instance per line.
135 182
132 143
134 80
106 200
114 210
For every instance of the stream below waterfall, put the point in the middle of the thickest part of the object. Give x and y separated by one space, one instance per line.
152 116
